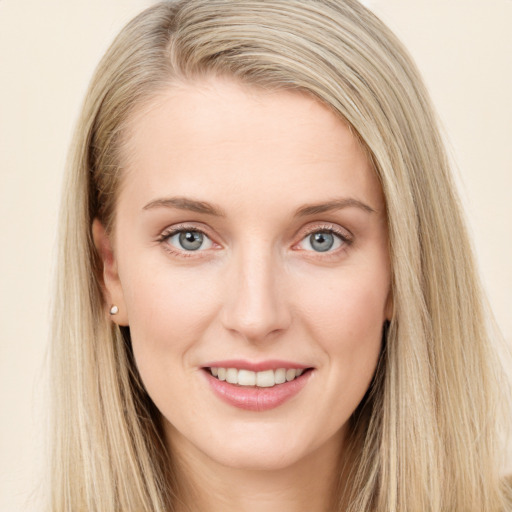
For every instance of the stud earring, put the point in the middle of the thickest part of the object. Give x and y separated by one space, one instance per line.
114 310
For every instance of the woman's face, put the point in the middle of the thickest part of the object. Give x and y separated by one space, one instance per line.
250 237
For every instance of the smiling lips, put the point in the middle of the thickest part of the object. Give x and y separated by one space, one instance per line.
241 385
264 379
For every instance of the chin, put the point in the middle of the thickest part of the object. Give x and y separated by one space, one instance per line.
267 447
256 458
256 447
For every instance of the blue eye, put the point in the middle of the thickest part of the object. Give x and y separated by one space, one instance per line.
321 241
189 240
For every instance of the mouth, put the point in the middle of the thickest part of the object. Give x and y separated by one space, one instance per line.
256 387
259 379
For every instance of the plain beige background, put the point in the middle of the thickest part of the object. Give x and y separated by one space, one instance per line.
48 50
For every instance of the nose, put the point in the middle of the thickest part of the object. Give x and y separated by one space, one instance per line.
256 307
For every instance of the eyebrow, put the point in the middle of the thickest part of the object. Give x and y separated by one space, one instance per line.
184 203
336 204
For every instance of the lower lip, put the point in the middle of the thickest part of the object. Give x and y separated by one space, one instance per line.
254 398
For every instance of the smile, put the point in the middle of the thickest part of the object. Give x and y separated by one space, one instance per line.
263 379
256 387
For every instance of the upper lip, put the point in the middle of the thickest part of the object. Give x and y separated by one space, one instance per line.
260 366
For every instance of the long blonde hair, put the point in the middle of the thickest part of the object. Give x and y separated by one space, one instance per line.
429 433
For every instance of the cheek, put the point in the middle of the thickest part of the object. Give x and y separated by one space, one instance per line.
353 306
346 319
168 310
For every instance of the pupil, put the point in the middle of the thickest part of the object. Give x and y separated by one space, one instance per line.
191 240
322 242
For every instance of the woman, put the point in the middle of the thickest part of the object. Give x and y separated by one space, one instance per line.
267 299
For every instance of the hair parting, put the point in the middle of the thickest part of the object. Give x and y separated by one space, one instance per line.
429 431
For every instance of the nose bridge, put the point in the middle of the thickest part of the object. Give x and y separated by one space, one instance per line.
256 306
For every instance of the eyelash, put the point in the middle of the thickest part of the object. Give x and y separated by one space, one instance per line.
342 235
345 239
168 233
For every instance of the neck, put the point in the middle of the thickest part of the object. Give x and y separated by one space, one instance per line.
309 484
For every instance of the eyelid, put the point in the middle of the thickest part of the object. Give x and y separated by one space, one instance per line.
342 233
173 230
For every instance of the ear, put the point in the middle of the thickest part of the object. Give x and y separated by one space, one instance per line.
110 282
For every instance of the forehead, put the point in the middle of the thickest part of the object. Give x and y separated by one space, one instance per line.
224 139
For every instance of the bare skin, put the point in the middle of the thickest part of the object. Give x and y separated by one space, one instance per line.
250 226
216 488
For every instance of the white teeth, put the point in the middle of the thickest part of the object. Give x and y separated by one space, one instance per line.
280 376
246 378
264 379
290 374
232 375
